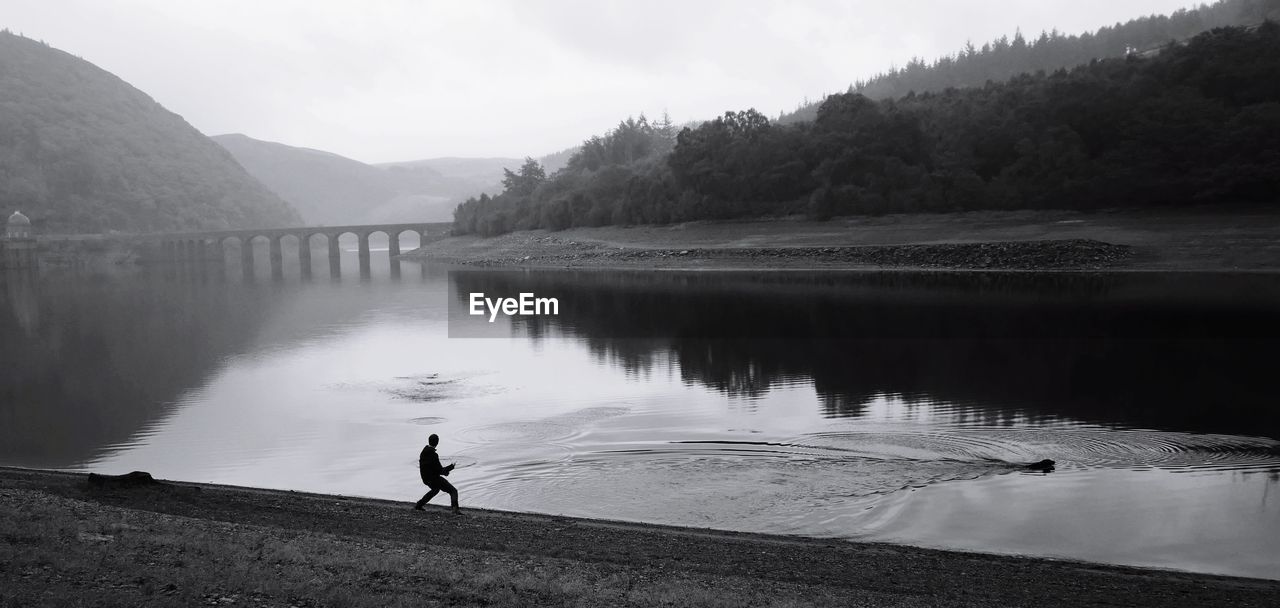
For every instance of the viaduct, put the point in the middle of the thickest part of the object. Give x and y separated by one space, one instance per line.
210 246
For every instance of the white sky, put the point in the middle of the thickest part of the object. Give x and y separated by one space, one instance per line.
389 80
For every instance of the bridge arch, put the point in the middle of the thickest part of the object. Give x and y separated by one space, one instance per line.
212 245
396 238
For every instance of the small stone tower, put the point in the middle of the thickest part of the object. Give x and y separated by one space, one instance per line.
18 248
18 227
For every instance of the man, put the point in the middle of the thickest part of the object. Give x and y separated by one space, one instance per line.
433 475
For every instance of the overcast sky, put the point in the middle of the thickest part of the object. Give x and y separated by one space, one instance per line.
388 80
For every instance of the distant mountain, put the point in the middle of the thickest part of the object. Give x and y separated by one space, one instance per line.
556 160
330 189
1002 59
83 151
479 170
325 188
484 174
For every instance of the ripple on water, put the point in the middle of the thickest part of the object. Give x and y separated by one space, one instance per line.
552 429
762 487
822 483
423 388
1071 447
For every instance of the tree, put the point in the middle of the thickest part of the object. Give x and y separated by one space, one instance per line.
524 183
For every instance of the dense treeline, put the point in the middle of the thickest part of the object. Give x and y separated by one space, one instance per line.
82 151
618 178
1197 123
1002 59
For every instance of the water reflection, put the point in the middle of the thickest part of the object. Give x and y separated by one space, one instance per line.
1184 352
89 360
895 407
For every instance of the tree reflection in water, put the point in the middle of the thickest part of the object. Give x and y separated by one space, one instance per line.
1187 352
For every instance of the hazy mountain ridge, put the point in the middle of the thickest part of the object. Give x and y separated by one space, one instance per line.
330 189
485 173
83 151
324 187
1004 58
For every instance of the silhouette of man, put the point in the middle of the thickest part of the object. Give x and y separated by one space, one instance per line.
433 475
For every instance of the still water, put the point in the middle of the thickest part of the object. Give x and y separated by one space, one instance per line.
875 406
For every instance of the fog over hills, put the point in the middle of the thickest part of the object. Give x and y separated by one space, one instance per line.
83 151
484 173
330 189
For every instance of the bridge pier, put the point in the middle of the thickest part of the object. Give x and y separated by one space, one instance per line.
277 256
363 238
246 257
304 255
335 257
393 253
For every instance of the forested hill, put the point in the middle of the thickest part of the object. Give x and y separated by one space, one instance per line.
83 151
1194 124
1002 59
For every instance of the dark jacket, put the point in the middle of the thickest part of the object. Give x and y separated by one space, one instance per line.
429 463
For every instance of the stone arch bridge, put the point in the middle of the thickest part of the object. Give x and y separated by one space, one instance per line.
211 245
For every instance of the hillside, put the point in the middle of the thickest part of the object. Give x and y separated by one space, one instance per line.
325 188
83 151
487 171
1004 58
483 174
1196 124
330 189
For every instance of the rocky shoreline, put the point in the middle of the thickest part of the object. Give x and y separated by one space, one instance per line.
65 541
1074 254
1202 240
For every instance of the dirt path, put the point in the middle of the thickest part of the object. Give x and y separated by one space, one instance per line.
543 560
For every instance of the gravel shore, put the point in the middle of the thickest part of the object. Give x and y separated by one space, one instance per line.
550 251
66 542
1186 239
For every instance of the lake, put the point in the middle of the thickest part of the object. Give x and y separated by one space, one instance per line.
879 406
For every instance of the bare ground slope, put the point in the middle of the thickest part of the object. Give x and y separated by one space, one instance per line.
65 543
1246 238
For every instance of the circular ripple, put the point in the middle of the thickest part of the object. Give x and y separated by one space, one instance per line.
554 429
1074 447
